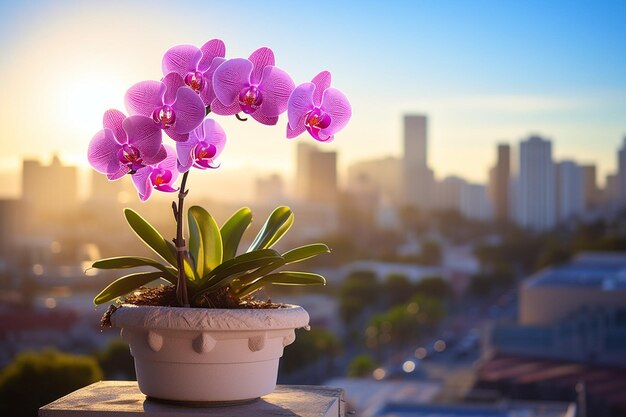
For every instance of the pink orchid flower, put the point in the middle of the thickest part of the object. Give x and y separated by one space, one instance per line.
254 86
317 108
205 144
173 107
125 145
159 177
196 66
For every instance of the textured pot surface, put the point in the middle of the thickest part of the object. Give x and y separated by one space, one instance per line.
207 355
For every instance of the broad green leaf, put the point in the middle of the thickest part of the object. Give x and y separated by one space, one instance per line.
305 252
150 236
247 279
124 285
231 269
232 231
205 240
282 278
274 228
124 262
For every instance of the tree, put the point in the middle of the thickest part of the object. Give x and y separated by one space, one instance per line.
430 254
397 289
361 366
117 362
434 287
359 290
309 347
35 379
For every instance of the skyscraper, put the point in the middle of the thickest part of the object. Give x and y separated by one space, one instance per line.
316 174
590 184
621 174
499 179
418 178
570 189
535 198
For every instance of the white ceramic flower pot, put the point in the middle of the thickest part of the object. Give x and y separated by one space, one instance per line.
207 355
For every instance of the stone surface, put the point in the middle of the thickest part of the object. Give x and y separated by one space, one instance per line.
123 399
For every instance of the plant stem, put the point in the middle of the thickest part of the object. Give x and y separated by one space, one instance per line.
181 251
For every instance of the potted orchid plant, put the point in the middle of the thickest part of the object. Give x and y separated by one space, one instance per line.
204 337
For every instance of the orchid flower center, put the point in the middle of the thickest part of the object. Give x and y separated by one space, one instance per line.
205 151
131 157
195 80
250 99
160 177
164 116
316 120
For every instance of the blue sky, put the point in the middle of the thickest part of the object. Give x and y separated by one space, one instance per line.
483 71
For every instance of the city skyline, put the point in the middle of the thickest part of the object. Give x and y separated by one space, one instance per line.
481 81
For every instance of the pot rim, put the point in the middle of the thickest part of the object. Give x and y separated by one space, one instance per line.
202 319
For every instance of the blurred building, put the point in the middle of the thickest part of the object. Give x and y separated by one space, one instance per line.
9 225
316 175
610 195
383 175
499 180
590 185
418 177
535 194
475 203
570 189
50 189
621 174
448 193
269 189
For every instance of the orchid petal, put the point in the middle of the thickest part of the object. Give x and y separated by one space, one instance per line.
322 82
144 97
208 92
141 181
112 119
173 81
260 59
143 134
210 50
296 131
189 109
266 120
337 106
102 152
300 102
212 133
230 77
169 163
158 157
177 137
166 188
218 108
119 174
181 59
184 151
276 86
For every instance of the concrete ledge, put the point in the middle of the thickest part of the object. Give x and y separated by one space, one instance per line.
123 399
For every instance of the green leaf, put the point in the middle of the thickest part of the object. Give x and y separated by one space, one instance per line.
124 262
247 279
231 269
150 236
283 278
124 285
276 225
232 231
205 240
305 252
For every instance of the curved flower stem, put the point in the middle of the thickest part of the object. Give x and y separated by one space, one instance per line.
181 250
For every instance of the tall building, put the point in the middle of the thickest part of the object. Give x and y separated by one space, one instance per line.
49 191
611 190
418 178
621 174
448 193
269 190
570 189
499 180
383 174
590 185
475 203
316 174
535 197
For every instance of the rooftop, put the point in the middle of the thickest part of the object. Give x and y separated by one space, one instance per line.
601 270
